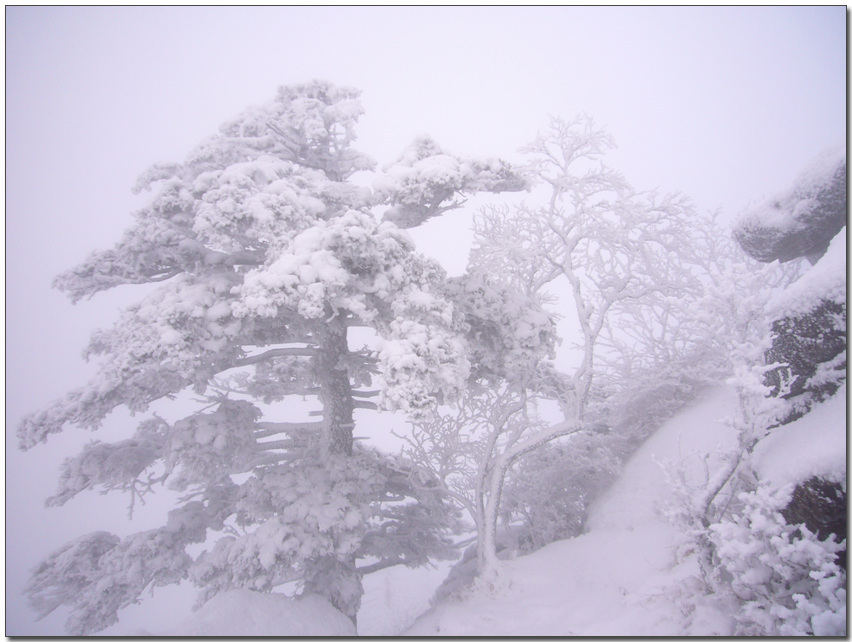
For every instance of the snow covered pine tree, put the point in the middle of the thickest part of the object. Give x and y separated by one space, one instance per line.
268 255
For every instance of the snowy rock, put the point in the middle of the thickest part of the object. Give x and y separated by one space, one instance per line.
824 281
814 445
810 332
814 348
247 613
820 504
801 221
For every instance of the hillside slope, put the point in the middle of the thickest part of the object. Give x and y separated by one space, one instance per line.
627 575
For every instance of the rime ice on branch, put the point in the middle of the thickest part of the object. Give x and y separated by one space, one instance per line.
619 252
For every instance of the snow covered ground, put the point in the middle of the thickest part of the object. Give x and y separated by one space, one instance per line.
624 575
248 613
395 597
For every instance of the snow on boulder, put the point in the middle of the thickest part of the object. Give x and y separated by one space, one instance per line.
801 221
247 613
824 281
810 453
815 445
809 334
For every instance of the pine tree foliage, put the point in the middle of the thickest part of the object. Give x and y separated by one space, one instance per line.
264 253
425 182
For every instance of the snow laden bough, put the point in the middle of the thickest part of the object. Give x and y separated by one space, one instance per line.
267 255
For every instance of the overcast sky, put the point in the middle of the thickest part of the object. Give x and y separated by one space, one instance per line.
723 104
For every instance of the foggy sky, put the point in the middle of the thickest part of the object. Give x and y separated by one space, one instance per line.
724 104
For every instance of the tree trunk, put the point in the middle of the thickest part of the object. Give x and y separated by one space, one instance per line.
335 389
337 578
339 582
487 546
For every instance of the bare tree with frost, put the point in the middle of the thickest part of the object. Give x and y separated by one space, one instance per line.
267 255
619 252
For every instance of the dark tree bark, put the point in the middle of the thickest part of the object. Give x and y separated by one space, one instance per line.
335 388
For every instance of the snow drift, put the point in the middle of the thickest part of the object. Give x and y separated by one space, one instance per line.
247 613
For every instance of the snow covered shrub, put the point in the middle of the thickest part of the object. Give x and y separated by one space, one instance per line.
786 579
549 490
704 492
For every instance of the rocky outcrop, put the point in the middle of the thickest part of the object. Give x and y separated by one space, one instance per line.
820 505
809 333
802 221
813 347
